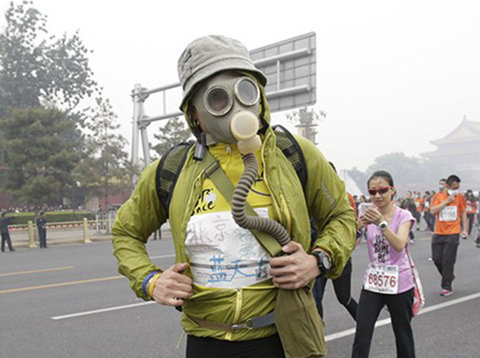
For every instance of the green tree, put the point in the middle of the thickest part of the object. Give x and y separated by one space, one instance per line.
173 132
36 67
405 170
41 148
104 169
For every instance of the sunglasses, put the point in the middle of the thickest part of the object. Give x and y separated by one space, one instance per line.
381 190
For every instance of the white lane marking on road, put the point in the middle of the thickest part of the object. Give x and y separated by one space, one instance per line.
162 256
86 313
328 338
426 309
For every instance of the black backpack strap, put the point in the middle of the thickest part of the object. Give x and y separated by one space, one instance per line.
168 170
291 149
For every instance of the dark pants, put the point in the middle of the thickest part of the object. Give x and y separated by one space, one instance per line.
269 347
411 235
444 255
6 237
430 219
471 219
400 308
342 287
42 238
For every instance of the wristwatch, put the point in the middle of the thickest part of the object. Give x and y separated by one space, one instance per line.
383 225
323 262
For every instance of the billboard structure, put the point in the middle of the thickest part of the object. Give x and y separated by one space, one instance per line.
290 68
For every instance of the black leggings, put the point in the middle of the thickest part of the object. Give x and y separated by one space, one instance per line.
471 219
268 347
342 287
400 308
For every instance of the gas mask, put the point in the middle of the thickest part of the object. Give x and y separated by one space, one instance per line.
228 104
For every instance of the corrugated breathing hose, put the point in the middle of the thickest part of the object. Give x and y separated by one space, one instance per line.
239 201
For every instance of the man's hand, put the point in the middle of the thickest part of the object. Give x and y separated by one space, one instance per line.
464 234
450 198
294 270
173 287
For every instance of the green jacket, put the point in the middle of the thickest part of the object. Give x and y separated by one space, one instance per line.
326 203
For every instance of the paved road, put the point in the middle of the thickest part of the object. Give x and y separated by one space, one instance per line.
68 301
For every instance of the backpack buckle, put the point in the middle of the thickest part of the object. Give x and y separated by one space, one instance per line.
211 168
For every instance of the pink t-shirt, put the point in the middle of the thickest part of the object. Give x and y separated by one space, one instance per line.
380 251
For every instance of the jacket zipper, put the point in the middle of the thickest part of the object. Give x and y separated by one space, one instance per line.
238 310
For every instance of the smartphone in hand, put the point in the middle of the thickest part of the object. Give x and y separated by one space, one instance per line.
363 207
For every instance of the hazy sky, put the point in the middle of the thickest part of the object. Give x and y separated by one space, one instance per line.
392 76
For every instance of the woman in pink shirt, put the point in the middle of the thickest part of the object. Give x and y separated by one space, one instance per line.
388 279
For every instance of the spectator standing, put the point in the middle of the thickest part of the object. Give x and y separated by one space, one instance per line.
42 230
388 279
449 208
4 222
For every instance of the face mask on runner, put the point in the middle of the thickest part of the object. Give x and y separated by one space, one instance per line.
453 191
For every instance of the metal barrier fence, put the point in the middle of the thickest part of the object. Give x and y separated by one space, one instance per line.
85 231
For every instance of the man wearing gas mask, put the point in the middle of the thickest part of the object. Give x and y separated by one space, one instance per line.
448 206
240 220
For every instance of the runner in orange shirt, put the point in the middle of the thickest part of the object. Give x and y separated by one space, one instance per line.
419 201
448 208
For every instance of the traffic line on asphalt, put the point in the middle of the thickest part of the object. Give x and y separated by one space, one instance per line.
60 284
427 309
36 271
86 313
328 338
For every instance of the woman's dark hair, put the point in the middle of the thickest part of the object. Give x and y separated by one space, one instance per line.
381 174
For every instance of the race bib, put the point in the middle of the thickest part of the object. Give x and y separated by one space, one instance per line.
448 213
382 279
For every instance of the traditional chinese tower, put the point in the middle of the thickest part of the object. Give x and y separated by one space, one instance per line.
459 153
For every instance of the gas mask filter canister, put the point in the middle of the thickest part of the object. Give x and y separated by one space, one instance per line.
228 104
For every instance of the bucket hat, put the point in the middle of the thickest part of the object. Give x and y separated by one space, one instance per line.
211 54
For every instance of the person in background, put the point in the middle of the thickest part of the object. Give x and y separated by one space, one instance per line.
419 203
448 206
42 230
388 279
363 199
409 204
471 209
4 222
342 284
429 218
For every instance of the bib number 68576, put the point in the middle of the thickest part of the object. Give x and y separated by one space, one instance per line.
382 279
